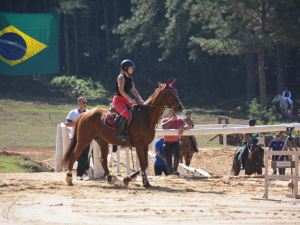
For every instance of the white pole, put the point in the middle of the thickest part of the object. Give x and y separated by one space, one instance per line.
224 141
137 162
110 157
59 149
127 161
98 170
65 137
118 159
236 130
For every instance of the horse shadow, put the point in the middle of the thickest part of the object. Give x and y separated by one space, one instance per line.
134 186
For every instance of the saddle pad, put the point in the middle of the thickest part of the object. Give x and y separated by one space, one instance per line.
109 121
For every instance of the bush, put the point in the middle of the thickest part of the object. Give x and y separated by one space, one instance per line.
85 87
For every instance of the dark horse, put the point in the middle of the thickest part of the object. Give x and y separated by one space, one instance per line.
186 149
253 163
90 126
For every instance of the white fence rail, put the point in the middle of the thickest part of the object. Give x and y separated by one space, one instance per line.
63 140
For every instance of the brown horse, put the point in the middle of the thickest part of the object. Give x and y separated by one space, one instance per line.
253 163
90 126
186 149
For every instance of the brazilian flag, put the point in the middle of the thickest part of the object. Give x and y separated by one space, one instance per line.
29 43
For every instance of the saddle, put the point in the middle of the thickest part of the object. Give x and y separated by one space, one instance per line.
112 117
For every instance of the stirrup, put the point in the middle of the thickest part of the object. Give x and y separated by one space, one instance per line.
121 138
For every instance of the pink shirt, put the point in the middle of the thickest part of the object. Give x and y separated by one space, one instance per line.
177 124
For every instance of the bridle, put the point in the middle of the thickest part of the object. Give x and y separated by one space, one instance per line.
166 102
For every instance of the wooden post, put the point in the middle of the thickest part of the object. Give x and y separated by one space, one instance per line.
266 174
137 162
220 118
127 161
59 149
98 170
118 159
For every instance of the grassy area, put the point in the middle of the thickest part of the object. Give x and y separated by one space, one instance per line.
12 164
32 123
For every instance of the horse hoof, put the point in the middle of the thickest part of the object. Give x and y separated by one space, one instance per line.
291 185
110 179
69 181
147 185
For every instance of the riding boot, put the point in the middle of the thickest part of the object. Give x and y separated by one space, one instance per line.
122 127
176 163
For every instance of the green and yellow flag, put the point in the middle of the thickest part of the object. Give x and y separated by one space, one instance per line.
29 43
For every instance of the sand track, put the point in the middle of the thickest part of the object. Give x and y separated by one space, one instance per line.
44 198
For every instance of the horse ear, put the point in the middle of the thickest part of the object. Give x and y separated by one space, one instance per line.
168 82
159 84
174 82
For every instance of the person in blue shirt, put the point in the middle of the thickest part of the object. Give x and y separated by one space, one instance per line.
277 145
160 163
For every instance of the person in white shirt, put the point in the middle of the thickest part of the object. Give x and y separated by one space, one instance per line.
83 161
287 95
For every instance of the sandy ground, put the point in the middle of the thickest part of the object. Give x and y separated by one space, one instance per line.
44 198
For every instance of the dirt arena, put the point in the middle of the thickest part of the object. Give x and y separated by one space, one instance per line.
44 198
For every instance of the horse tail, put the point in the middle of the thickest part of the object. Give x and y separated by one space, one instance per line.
71 146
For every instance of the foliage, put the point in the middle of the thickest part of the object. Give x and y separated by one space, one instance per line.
254 109
83 86
10 164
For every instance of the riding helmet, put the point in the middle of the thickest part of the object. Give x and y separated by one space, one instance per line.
252 122
189 111
126 63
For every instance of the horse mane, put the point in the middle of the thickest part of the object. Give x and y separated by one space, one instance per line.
154 95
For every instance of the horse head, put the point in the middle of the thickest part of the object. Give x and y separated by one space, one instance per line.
275 98
170 96
254 147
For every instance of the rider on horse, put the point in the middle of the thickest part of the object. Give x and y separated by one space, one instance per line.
190 122
287 95
121 99
248 137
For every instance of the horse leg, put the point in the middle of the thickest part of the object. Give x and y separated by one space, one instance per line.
104 153
141 155
80 146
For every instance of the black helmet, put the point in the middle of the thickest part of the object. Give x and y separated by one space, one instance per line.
126 63
189 111
252 121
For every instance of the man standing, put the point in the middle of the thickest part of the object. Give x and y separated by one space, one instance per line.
83 161
247 143
277 145
171 144
160 163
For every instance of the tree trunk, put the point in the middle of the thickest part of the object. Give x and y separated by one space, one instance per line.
107 40
68 61
97 66
116 23
87 48
251 89
261 61
76 44
280 68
